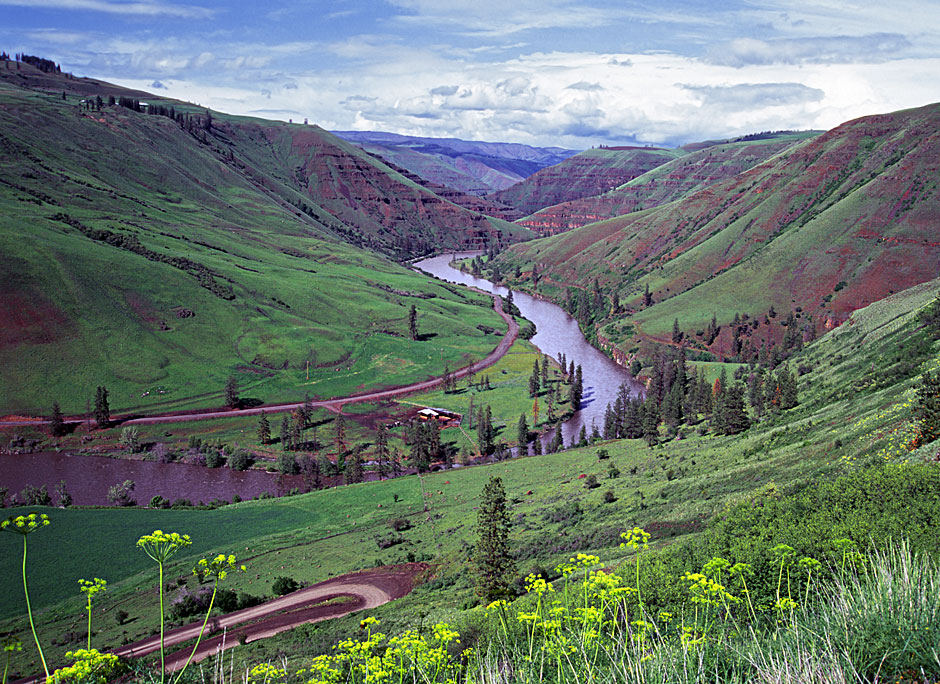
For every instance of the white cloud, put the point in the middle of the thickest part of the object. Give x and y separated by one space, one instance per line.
139 8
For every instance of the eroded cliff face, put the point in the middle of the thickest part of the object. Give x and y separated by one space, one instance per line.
589 173
824 227
666 183
374 204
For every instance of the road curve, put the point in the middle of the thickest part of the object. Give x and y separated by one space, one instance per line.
366 589
512 333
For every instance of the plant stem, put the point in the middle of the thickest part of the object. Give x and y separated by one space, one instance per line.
201 631
162 652
30 612
89 623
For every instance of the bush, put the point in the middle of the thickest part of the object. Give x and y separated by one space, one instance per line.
400 524
240 460
609 496
284 585
591 482
120 494
214 459
603 454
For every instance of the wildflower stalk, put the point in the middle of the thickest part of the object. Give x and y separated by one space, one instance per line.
90 588
10 644
215 569
160 546
24 524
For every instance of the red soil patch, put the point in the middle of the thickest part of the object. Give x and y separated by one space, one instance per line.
30 319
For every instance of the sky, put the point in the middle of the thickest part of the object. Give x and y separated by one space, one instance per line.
562 73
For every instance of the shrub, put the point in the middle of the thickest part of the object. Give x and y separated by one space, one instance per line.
609 496
284 585
214 459
591 482
240 460
400 524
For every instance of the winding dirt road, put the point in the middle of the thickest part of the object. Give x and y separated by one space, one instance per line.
366 589
335 404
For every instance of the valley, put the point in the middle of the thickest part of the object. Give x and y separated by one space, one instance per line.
318 358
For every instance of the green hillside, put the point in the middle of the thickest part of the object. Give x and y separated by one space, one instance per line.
678 178
829 225
158 257
849 419
587 173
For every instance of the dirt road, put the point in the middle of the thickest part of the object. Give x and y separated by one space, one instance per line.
335 404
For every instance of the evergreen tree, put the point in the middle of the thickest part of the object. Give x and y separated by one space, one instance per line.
307 411
285 433
544 372
492 557
534 380
649 417
382 452
231 392
537 445
647 297
56 423
339 437
676 332
264 429
102 408
353 473
413 323
522 434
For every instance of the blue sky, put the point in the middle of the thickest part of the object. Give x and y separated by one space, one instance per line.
546 72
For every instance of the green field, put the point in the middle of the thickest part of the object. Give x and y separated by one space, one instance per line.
849 416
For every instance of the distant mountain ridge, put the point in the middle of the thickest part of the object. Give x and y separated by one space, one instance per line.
473 167
702 164
823 228
588 173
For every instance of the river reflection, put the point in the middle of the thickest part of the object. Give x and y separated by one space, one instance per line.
88 478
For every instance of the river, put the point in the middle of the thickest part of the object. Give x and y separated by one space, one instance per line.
557 332
89 477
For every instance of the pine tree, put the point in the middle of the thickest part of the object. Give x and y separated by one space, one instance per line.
647 297
534 380
413 323
231 392
102 408
522 434
676 332
56 423
285 433
381 452
353 472
264 429
492 557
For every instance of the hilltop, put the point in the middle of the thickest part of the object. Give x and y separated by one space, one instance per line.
826 226
157 248
469 166
586 174
702 165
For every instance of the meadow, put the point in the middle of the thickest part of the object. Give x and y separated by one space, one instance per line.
849 419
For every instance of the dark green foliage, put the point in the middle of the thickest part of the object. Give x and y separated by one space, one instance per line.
61 490
522 433
424 438
102 408
231 392
492 558
214 458
287 464
413 323
240 460
353 472
56 423
264 429
120 494
927 408
930 317
485 432
591 482
284 585
35 496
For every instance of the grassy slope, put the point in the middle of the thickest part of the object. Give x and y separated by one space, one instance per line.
669 182
81 312
587 173
858 204
849 415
